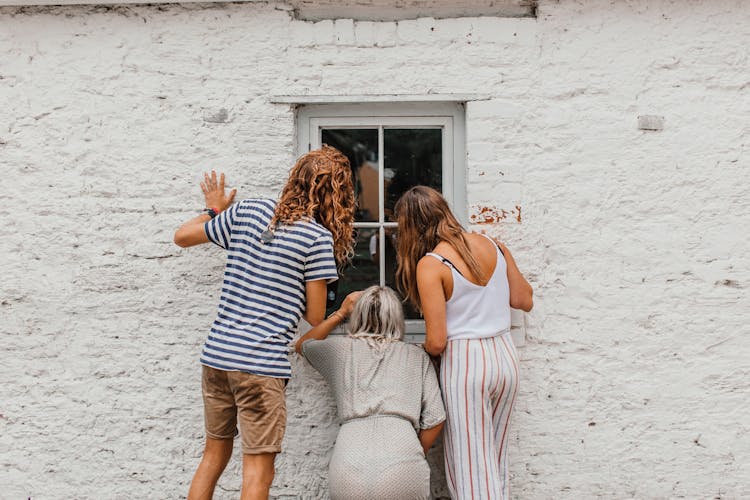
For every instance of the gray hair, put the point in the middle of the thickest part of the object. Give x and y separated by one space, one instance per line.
378 317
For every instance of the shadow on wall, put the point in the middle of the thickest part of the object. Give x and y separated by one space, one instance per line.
438 487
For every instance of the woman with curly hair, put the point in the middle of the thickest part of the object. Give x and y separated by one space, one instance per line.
280 257
464 284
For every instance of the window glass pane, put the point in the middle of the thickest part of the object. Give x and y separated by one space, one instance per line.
412 157
363 271
391 242
361 147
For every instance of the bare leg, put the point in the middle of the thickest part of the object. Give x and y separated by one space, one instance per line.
214 461
257 476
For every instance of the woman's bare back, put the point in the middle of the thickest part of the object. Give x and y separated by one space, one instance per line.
483 250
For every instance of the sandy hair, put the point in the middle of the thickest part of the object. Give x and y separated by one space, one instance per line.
424 220
320 188
377 317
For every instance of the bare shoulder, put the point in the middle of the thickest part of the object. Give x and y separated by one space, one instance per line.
431 270
489 242
481 240
428 263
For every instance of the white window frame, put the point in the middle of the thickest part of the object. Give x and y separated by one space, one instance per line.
381 124
449 117
418 114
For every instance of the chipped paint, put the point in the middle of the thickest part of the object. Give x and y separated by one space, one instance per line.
487 214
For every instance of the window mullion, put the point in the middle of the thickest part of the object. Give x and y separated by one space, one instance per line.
381 204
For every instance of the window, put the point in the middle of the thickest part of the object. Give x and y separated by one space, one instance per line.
391 148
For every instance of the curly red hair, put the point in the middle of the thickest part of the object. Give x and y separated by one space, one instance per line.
320 187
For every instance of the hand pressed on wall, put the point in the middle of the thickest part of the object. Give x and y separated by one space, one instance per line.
213 191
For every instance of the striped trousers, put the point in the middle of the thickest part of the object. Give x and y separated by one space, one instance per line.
479 382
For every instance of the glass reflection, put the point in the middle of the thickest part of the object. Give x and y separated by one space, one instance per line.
361 147
412 157
363 271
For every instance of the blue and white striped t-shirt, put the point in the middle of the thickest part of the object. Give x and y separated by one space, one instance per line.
263 293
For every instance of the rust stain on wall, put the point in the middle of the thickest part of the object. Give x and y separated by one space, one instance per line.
486 214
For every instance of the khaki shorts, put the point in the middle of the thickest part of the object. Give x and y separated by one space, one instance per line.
256 401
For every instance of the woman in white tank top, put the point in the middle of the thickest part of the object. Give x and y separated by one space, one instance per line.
464 284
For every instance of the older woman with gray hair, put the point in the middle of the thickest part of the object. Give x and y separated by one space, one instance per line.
387 396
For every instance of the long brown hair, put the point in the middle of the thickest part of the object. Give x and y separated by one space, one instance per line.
424 220
320 187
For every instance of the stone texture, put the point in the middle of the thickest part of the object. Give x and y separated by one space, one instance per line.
634 371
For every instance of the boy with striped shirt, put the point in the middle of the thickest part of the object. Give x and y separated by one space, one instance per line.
280 257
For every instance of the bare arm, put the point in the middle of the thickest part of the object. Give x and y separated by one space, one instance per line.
432 298
192 232
322 329
427 437
521 293
315 298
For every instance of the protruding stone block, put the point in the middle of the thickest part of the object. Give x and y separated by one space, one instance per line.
216 115
650 122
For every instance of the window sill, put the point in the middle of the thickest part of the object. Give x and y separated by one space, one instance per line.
415 329
375 98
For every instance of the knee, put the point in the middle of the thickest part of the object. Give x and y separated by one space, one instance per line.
215 462
217 454
258 478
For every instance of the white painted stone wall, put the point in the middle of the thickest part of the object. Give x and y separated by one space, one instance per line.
634 373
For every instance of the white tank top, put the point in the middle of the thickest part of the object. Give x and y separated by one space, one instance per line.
474 311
